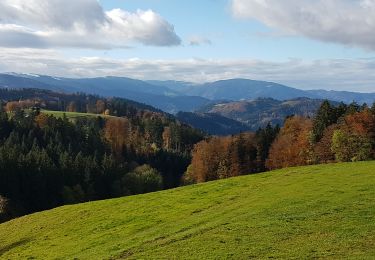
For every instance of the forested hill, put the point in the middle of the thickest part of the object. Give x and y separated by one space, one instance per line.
259 112
122 148
213 123
78 102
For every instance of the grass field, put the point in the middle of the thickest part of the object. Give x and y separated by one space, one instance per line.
72 115
324 211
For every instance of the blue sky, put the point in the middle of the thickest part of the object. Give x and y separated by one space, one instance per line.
308 44
230 37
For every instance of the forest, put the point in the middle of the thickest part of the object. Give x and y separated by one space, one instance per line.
47 161
129 148
340 133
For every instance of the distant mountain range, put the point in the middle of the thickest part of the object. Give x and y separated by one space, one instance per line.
245 89
175 96
158 96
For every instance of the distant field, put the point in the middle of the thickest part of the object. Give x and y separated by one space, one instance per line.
324 211
60 114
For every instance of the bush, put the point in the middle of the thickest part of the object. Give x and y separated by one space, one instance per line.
142 179
9 210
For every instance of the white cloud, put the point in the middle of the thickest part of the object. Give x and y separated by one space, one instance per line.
339 74
198 40
83 23
349 22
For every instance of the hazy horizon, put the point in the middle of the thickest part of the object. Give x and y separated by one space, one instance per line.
303 44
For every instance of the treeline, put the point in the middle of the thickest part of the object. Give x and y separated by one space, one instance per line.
223 157
47 161
336 134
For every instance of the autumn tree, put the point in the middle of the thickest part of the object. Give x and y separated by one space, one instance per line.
167 140
42 120
100 106
223 157
72 107
292 146
116 132
355 138
323 149
12 106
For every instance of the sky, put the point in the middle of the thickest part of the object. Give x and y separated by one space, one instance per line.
307 44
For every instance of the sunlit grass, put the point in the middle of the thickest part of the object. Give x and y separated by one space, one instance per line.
324 211
60 114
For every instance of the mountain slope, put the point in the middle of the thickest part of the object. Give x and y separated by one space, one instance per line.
258 113
237 89
323 211
245 89
214 124
16 81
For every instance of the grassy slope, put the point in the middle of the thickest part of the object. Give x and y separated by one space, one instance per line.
60 114
318 211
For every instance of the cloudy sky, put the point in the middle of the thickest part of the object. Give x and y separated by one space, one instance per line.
308 44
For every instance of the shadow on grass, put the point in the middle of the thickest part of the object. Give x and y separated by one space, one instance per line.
7 248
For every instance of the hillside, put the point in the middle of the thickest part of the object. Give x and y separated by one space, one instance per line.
237 89
211 123
323 211
259 112
104 148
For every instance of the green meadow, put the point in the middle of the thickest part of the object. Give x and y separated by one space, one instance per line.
72 115
323 211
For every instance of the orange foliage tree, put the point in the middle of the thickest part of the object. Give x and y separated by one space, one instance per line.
22 104
292 145
323 149
42 120
117 132
355 138
223 157
100 106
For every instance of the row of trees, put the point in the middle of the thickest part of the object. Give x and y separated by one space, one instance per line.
224 157
336 134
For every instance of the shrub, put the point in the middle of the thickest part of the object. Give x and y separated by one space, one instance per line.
142 179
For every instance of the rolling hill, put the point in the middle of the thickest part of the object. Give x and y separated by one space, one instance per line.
259 112
212 123
237 89
323 211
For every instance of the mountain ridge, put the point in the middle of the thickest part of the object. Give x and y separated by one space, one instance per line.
174 96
